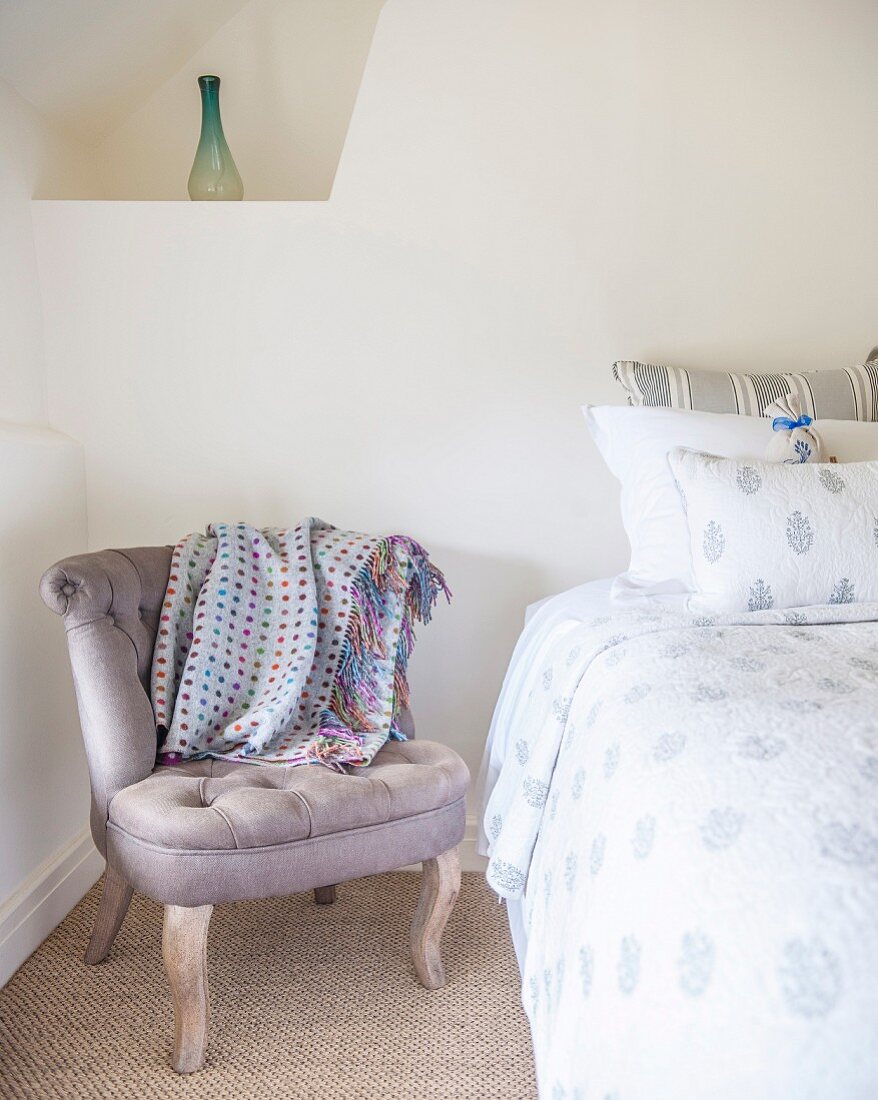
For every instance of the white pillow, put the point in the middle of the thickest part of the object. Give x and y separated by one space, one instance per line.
775 535
634 443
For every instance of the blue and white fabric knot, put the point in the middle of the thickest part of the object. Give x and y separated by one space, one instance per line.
786 424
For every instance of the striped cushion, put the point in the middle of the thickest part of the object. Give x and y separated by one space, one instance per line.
850 393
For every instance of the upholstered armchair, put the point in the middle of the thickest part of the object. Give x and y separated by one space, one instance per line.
203 832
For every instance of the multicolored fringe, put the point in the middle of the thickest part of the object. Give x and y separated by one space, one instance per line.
398 570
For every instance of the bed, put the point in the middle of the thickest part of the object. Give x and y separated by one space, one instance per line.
681 813
691 861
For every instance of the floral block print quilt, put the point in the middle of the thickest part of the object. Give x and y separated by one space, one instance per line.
687 809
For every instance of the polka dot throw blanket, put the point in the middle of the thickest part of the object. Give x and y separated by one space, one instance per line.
287 645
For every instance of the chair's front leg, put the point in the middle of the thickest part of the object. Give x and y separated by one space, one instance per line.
115 899
184 946
440 883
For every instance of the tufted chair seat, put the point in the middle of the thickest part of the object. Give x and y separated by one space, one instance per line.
202 832
263 831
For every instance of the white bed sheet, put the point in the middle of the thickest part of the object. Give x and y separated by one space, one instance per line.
588 599
542 621
683 811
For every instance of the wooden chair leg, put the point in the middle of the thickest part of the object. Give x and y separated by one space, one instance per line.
184 947
115 898
440 883
324 895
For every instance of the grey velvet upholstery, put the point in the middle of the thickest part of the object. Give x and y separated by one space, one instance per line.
208 877
214 831
110 602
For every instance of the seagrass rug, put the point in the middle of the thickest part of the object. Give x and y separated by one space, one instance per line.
307 1001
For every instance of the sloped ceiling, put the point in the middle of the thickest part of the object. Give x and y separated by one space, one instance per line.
85 64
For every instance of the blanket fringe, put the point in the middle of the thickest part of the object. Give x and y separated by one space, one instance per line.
399 567
335 750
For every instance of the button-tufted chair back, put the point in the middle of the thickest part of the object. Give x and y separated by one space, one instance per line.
111 602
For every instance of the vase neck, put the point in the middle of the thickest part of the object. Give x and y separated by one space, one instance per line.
211 123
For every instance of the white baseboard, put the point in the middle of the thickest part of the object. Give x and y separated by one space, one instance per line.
45 898
470 860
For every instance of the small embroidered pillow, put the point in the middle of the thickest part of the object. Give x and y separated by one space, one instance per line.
768 535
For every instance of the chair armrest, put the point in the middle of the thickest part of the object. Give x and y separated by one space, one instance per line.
100 598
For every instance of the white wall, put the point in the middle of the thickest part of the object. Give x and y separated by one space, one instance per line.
31 155
47 860
44 855
529 190
290 70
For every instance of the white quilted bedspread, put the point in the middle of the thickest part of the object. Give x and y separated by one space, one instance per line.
688 808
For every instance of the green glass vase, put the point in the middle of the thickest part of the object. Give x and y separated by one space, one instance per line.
213 175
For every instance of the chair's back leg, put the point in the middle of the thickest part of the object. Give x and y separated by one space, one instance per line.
184 947
324 895
115 898
440 884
